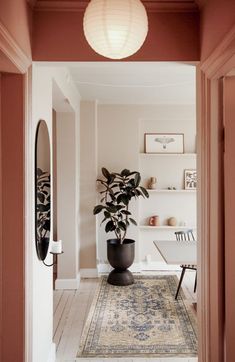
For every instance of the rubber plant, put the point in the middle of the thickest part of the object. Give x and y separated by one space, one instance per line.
118 189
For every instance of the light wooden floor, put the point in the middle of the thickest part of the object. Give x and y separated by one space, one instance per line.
70 311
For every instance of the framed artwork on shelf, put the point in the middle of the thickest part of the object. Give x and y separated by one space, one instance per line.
164 143
190 179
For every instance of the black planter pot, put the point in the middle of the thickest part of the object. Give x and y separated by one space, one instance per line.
121 257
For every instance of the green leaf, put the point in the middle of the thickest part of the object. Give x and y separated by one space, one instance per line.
97 209
122 225
109 226
138 193
119 207
133 173
123 198
113 198
105 173
137 179
133 221
132 182
107 214
111 209
125 172
144 191
125 212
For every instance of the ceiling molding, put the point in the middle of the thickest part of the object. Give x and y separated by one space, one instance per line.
220 55
12 50
151 5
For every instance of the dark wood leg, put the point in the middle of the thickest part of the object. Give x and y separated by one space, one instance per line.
181 279
195 284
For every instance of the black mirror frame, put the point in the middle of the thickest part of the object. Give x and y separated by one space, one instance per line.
42 243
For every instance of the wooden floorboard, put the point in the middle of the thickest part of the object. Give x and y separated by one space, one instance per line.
71 308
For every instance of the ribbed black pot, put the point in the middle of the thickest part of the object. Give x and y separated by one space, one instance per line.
120 257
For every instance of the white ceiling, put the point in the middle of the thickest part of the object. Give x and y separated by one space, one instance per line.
135 82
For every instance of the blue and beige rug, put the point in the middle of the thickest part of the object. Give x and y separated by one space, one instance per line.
141 320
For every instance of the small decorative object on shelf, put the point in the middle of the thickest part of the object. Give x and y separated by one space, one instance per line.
190 179
171 188
154 220
172 221
152 183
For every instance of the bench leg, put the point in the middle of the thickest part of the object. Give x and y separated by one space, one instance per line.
180 282
195 284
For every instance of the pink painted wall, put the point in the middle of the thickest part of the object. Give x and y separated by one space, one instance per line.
6 65
59 36
12 231
217 18
229 116
16 18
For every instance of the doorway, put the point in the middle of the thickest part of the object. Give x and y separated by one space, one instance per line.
99 120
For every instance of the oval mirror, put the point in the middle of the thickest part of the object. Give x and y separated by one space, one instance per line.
42 190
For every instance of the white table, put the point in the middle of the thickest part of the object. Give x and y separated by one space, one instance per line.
177 252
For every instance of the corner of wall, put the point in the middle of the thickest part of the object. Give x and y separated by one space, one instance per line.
68 283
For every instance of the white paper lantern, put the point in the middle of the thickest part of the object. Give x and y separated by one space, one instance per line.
115 29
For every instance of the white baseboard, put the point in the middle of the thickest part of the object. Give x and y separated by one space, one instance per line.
158 266
52 354
68 283
89 273
142 266
106 268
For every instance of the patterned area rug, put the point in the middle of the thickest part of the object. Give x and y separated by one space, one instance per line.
141 320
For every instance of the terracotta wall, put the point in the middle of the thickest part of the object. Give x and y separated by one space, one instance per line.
12 248
59 36
229 115
217 18
1 279
15 16
6 65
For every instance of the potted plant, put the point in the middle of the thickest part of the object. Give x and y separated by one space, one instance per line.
118 189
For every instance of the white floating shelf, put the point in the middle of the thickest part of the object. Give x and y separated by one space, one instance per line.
165 227
163 191
168 154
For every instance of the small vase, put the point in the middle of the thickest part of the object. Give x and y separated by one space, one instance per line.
172 221
152 183
154 220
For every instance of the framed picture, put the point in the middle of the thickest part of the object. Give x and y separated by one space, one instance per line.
190 179
164 142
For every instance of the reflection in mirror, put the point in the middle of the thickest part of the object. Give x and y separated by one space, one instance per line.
42 190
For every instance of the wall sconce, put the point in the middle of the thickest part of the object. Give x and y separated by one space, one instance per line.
56 249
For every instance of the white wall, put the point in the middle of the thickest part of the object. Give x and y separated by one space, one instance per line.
67 271
88 167
121 131
39 277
